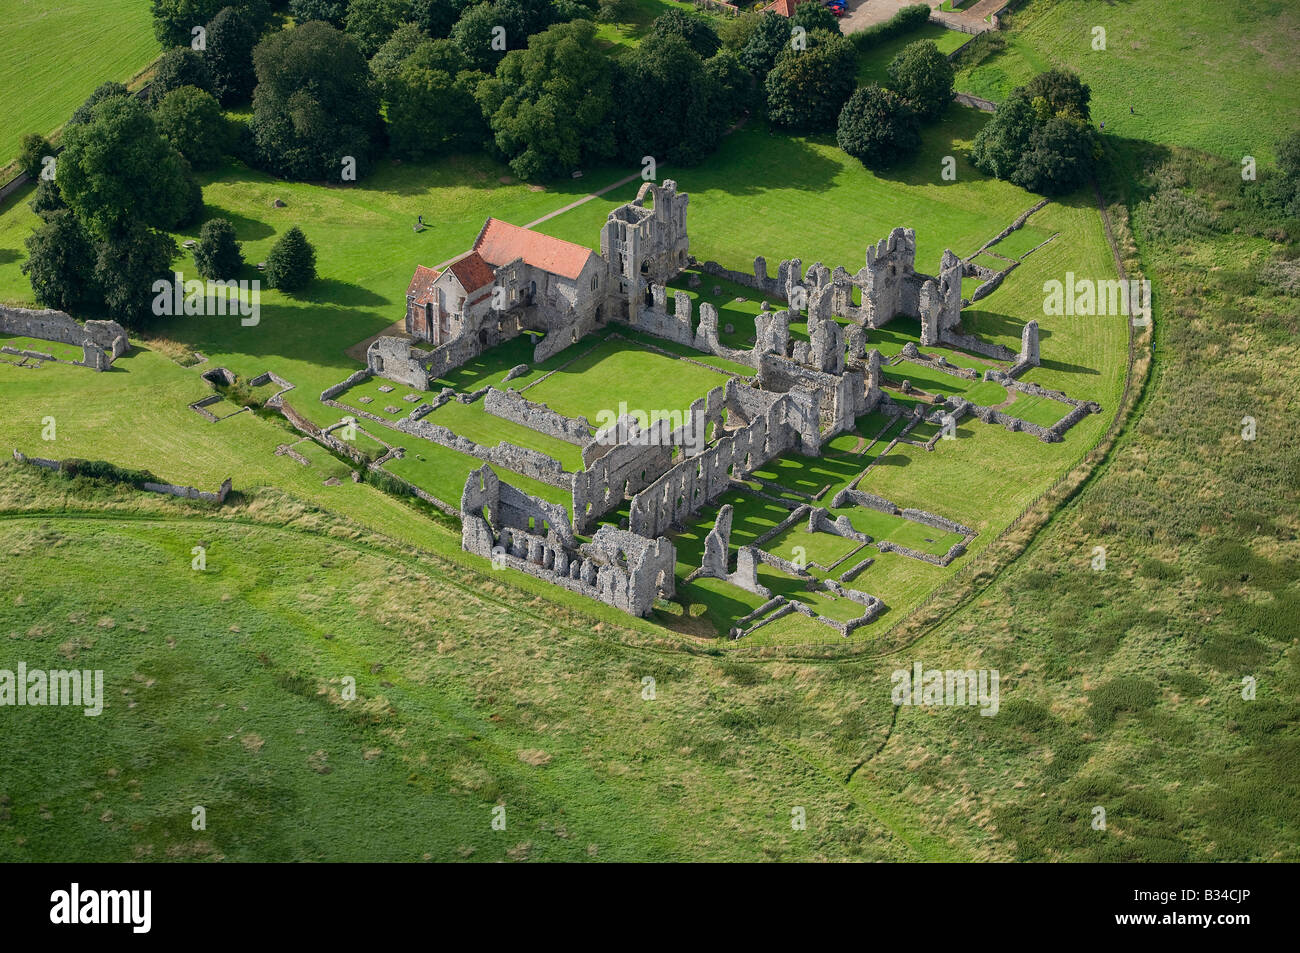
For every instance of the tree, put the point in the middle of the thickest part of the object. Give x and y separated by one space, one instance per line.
563 11
437 17
616 11
999 146
670 107
923 76
523 18
388 61
333 12
807 88
431 106
548 106
47 200
735 85
102 92
734 32
117 169
1027 143
31 157
126 267
179 66
1059 158
768 39
291 265
314 107
814 16
878 127
191 121
232 37
695 30
217 255
476 33
372 22
60 263
1063 92
1288 155
174 20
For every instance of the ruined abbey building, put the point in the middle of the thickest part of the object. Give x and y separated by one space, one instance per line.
799 394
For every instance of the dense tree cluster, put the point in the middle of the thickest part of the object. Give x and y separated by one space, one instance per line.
878 127
335 84
548 106
119 187
808 85
1041 138
315 110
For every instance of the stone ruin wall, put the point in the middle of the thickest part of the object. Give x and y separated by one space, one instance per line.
102 342
525 533
696 481
395 359
510 405
168 489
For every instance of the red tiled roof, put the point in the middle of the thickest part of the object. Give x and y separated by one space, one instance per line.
472 272
500 242
421 286
784 7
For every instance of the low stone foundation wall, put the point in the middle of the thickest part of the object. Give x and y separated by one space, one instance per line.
352 381
509 405
169 489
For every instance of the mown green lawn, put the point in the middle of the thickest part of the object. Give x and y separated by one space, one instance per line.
1196 73
873 65
601 380
54 54
795 197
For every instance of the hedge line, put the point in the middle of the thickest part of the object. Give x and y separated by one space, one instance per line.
904 21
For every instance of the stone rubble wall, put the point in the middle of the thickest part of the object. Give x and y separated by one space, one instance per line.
968 342
618 568
936 362
510 405
624 470
936 521
35 355
395 359
856 569
819 521
305 426
849 497
102 342
797 515
695 482
352 381
169 489
525 461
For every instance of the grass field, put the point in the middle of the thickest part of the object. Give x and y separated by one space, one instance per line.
596 381
226 692
56 54
479 689
873 65
1235 101
786 191
616 36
